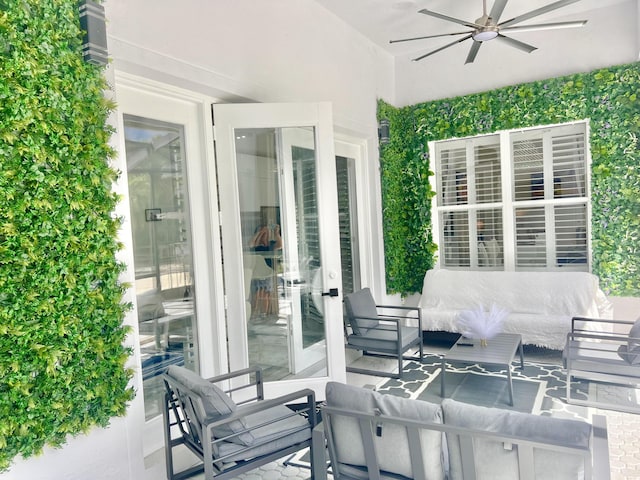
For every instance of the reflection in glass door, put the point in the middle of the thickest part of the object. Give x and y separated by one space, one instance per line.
159 209
281 251
277 188
347 210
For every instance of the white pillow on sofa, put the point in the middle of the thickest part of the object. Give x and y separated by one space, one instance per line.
392 447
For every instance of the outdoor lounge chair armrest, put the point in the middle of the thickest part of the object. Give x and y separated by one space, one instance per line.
596 320
318 448
234 374
257 383
601 467
379 318
597 336
250 408
399 307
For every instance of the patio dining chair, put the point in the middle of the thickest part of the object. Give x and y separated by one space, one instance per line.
381 330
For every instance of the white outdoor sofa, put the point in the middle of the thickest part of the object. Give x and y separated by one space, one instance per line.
540 304
376 436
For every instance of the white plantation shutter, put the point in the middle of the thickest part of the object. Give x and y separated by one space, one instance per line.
469 179
546 204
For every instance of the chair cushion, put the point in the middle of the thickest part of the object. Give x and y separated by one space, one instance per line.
216 403
361 305
376 339
495 462
275 436
392 447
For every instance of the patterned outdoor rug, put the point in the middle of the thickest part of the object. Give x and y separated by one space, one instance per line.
539 388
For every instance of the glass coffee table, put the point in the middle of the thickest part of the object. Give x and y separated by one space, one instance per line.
499 351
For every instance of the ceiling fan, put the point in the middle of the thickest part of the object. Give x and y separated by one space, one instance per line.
487 27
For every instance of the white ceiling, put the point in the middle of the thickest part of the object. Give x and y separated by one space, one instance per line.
610 37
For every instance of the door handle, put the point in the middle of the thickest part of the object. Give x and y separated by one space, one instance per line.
333 292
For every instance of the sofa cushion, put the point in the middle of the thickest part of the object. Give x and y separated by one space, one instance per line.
541 304
495 462
215 402
394 439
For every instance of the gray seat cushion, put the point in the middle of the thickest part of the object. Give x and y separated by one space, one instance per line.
631 351
278 435
216 403
495 462
392 447
599 358
376 339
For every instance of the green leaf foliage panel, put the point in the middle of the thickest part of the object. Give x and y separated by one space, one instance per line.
608 98
62 359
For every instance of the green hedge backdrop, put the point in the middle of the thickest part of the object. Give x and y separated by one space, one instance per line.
607 97
62 359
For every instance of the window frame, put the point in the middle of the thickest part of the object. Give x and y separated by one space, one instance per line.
508 204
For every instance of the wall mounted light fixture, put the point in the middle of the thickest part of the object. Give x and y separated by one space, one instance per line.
94 42
383 131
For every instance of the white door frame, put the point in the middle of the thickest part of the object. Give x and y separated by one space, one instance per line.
316 115
146 98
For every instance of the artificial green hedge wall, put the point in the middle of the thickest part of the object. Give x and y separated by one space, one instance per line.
609 98
62 359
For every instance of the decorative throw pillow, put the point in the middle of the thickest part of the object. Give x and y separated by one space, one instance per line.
631 351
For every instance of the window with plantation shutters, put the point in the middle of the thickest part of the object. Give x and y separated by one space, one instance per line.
515 200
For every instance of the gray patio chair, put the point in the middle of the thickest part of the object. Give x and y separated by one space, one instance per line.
370 329
591 353
229 438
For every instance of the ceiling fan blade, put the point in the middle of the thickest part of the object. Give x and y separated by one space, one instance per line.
473 51
428 36
538 11
442 48
525 47
497 9
544 26
450 19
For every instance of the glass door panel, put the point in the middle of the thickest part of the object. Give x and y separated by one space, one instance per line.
279 211
347 209
281 260
163 262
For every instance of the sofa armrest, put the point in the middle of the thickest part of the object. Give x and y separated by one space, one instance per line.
318 449
600 453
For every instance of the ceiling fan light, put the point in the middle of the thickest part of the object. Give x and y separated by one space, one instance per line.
484 35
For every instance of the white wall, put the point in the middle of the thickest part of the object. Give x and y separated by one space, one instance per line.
235 50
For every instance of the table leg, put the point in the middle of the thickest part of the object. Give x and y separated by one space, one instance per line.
443 369
510 385
521 355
